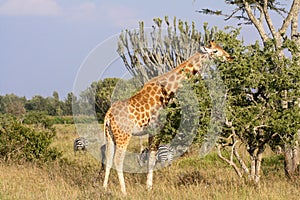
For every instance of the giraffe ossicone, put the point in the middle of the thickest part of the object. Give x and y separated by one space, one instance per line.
134 116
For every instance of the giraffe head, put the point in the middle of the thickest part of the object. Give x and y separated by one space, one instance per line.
194 64
215 50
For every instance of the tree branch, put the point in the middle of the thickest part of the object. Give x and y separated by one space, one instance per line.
240 160
269 20
261 16
256 23
230 162
293 11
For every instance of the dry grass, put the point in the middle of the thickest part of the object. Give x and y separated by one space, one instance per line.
31 182
188 178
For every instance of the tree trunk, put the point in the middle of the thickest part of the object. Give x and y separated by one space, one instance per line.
256 158
291 160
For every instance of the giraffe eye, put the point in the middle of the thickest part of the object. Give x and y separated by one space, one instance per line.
215 51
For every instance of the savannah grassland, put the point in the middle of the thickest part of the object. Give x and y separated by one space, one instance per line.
78 177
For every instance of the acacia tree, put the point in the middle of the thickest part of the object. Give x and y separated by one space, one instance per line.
255 115
258 13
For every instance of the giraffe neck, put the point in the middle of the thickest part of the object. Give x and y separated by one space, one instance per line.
171 80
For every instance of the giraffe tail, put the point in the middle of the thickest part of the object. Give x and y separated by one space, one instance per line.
107 129
110 150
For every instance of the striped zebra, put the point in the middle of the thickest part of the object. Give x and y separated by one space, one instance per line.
80 143
164 155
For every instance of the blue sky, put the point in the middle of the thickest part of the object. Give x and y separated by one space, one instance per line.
44 42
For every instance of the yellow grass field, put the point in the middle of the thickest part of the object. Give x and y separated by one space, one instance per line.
189 177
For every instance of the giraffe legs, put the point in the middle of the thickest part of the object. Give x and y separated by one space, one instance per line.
119 158
151 164
109 159
116 154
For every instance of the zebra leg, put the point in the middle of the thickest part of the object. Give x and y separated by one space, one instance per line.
103 159
141 144
109 158
151 164
119 158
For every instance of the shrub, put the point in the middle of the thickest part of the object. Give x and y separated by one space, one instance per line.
22 143
62 119
82 119
38 118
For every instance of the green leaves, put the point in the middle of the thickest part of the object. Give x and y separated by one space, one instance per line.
262 93
99 94
24 143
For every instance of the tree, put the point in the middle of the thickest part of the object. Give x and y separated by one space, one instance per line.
2 109
255 116
67 105
12 104
257 13
167 50
99 95
57 103
51 105
37 103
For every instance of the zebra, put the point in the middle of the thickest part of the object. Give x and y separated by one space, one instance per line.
80 143
164 155
103 156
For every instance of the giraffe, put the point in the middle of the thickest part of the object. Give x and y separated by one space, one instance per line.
221 52
134 116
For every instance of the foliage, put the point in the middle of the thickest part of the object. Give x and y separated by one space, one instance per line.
18 106
188 116
262 97
22 143
51 105
239 12
257 85
99 96
70 119
38 118
12 104
281 56
70 101
124 89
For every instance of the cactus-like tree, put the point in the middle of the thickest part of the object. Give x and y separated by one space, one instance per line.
150 52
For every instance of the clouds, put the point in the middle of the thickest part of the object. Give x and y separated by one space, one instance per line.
110 14
86 11
30 7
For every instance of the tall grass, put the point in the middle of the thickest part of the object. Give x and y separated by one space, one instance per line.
78 177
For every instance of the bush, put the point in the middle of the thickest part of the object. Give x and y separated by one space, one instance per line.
71 120
38 118
22 143
62 119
